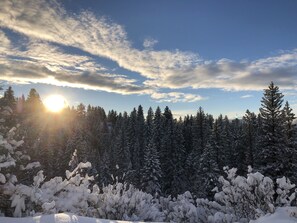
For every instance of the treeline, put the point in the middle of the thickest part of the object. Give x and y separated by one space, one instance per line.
154 151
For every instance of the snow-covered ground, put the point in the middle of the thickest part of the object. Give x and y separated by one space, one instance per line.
58 218
281 215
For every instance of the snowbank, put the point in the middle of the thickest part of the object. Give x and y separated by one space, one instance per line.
58 218
281 215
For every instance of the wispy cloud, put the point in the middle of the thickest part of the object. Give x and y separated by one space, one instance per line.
247 96
176 97
149 43
46 23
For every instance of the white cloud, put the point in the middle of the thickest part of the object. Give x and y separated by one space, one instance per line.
176 97
289 93
4 43
247 96
149 43
48 22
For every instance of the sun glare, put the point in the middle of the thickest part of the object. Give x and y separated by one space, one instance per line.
55 103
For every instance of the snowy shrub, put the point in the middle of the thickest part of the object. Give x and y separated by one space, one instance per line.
253 196
213 212
71 194
248 197
120 201
12 160
284 192
180 209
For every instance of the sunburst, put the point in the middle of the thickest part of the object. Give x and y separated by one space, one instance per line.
55 103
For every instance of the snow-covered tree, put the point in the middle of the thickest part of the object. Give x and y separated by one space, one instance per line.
254 195
250 129
208 171
14 164
272 148
290 168
151 171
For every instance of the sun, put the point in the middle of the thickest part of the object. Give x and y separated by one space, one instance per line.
55 103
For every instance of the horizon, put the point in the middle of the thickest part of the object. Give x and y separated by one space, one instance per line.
184 55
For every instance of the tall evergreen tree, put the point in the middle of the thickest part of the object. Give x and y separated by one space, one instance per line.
33 103
167 145
228 150
151 171
272 150
238 148
290 141
208 170
8 98
218 142
250 130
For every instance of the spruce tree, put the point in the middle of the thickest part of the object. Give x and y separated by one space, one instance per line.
33 103
167 145
8 99
151 171
250 130
290 141
238 147
208 170
272 150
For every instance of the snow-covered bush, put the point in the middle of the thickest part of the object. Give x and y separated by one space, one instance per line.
213 212
252 196
180 209
284 192
12 161
122 201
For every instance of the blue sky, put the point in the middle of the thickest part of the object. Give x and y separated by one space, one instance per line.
118 54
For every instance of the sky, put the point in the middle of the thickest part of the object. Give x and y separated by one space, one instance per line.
219 55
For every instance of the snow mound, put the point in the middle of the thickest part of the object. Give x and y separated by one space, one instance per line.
281 215
58 218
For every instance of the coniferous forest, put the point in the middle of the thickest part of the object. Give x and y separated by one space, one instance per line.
150 151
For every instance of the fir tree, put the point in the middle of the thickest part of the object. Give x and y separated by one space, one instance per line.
167 145
151 171
250 129
33 103
8 99
238 148
272 150
290 141
208 170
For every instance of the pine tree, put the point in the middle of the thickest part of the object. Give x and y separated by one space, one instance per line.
167 145
290 127
218 142
208 170
149 125
272 150
140 136
250 130
122 164
33 103
8 99
290 141
238 148
178 157
228 149
151 171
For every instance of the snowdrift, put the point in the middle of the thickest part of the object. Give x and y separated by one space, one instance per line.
58 218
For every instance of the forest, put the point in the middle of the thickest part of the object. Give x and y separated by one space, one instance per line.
172 165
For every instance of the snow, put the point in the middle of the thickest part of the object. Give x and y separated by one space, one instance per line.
281 215
58 218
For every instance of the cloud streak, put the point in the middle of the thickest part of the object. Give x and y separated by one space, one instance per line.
47 22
